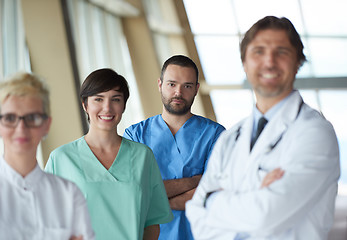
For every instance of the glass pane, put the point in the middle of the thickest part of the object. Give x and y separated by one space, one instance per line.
334 108
306 70
327 57
250 11
220 59
328 17
211 17
231 106
162 46
98 26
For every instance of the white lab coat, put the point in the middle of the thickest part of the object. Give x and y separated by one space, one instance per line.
40 206
298 206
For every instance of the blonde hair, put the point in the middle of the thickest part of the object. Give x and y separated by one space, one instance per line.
25 84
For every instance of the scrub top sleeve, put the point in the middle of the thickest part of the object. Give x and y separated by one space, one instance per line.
219 130
50 165
128 134
81 222
159 211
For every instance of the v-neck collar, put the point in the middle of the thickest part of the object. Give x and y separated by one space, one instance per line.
164 124
93 169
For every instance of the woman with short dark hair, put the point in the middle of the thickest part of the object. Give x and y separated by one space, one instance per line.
120 178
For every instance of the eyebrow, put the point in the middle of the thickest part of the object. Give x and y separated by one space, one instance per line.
186 83
116 95
286 48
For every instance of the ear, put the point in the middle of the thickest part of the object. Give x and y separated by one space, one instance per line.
84 107
197 88
47 125
297 68
244 67
159 84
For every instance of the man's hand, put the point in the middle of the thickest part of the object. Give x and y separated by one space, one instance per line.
271 177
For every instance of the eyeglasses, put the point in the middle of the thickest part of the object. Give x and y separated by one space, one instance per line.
32 120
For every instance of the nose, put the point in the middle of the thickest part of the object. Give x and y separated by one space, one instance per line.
107 105
178 91
270 59
21 124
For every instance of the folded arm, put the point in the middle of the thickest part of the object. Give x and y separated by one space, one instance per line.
175 187
179 202
181 190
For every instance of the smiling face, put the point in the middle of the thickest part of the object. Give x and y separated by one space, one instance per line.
178 89
271 64
105 109
21 139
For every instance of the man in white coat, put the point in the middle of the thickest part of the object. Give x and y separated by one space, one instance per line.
282 185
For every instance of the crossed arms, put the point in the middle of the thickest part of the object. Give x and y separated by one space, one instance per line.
179 191
311 172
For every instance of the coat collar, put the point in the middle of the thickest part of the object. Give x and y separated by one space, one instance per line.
280 122
29 182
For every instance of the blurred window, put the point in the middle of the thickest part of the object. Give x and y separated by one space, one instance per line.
100 43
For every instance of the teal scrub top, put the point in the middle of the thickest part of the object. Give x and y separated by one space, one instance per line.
122 200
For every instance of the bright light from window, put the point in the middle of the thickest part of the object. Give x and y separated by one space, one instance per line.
213 17
250 11
326 18
220 59
231 106
334 108
328 56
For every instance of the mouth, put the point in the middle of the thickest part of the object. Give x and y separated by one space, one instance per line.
21 140
177 100
106 118
269 75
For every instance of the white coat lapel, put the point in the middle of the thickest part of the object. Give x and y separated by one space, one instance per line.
241 151
275 129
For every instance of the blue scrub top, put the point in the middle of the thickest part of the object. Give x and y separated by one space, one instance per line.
180 156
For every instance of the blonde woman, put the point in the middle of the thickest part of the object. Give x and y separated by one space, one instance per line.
33 204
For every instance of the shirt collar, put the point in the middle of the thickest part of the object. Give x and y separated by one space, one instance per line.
269 114
28 182
272 111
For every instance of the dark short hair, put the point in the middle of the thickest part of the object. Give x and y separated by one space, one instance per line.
103 80
182 61
271 22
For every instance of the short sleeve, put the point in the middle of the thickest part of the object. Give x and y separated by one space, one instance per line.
159 211
128 134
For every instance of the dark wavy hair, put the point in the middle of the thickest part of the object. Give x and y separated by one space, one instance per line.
271 22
